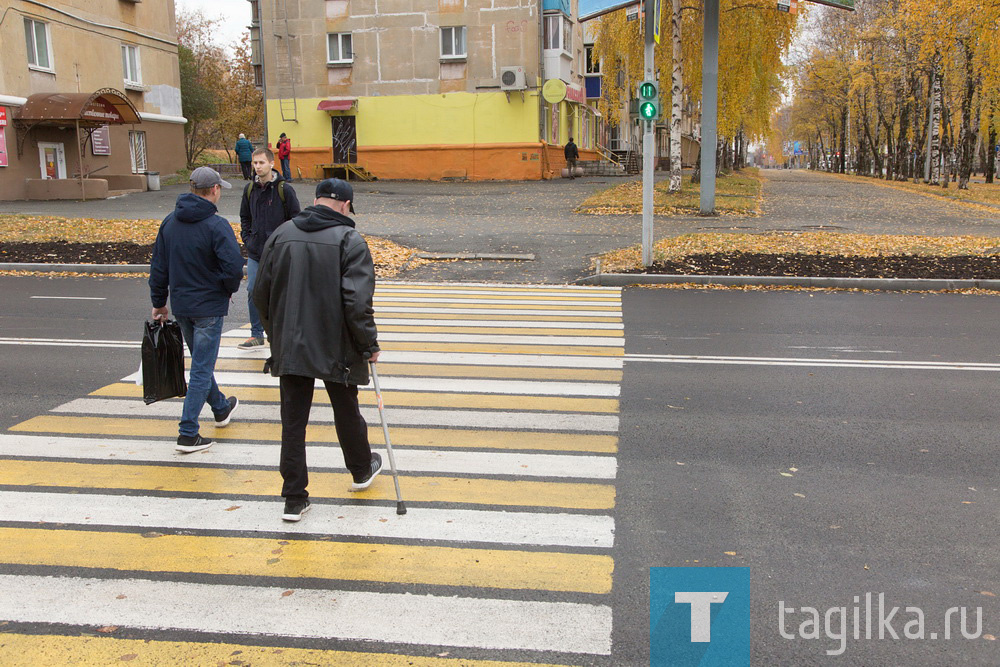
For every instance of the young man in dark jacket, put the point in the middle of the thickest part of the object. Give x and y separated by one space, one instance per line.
197 262
266 204
314 292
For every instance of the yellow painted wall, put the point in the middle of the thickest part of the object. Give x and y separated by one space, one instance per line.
417 120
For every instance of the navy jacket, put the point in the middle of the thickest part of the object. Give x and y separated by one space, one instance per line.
263 212
196 260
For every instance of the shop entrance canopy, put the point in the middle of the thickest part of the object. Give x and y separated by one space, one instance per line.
87 111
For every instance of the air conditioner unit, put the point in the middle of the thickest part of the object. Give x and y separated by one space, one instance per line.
512 78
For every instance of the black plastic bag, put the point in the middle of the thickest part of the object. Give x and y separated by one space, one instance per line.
162 362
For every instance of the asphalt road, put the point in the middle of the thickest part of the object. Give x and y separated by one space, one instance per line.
892 488
881 463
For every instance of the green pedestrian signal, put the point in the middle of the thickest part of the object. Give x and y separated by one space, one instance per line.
649 100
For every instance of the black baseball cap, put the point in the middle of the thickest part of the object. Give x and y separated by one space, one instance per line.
335 188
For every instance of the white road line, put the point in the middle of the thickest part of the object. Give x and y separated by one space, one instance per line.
521 286
248 610
68 342
445 525
446 385
321 457
465 358
497 323
821 363
539 312
500 339
320 413
73 298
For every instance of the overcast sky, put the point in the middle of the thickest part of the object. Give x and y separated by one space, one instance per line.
233 15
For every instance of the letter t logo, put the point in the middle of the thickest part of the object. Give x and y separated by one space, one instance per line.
701 612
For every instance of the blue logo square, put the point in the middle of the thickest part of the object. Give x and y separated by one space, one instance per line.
699 616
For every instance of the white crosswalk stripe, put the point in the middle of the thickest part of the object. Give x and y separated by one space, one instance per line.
534 501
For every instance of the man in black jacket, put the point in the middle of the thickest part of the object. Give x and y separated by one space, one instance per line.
267 203
197 262
314 292
571 154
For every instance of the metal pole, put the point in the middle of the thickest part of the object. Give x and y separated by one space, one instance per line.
648 146
709 105
80 147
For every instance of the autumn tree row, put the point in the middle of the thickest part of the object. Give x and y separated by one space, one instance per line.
753 39
901 89
218 92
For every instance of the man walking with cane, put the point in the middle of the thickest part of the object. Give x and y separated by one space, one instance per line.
314 292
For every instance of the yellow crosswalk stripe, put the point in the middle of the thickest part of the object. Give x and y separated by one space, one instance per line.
246 556
396 398
522 331
401 436
19 650
233 481
540 317
494 348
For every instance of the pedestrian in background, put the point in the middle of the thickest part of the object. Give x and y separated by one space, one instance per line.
244 155
267 202
314 292
571 154
285 156
197 263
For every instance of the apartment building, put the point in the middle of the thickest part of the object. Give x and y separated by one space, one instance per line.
87 87
424 89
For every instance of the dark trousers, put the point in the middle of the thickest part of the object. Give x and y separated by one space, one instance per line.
247 169
571 166
352 431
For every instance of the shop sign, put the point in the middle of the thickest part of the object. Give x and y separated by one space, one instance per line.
3 116
3 147
100 110
100 141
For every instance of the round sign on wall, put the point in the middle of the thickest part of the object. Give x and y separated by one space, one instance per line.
554 91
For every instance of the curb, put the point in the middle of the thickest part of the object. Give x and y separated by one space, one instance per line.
79 268
880 284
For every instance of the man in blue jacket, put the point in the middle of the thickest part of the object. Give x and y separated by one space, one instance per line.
197 262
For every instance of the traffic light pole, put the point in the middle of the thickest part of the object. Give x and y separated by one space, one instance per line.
648 146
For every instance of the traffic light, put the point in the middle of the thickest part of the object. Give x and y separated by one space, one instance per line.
649 101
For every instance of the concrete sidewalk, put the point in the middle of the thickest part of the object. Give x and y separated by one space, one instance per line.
536 217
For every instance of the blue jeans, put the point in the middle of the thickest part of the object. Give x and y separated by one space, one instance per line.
202 335
256 327
286 169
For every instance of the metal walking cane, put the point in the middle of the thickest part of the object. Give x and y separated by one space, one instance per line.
400 507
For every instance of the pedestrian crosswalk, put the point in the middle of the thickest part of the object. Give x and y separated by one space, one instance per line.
503 410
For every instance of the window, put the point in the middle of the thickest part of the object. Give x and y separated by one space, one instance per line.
254 12
130 65
453 41
36 38
339 48
592 66
137 151
558 33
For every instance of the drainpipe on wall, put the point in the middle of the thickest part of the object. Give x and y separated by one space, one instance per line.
541 102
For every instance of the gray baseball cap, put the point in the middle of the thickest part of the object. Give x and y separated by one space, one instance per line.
206 177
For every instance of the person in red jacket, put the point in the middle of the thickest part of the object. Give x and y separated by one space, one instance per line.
285 154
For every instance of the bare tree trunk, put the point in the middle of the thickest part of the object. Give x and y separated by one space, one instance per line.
991 152
677 85
935 129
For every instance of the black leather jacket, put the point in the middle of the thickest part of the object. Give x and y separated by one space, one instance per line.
314 292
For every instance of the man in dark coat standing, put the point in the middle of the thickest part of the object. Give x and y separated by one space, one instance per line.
197 262
572 155
314 292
